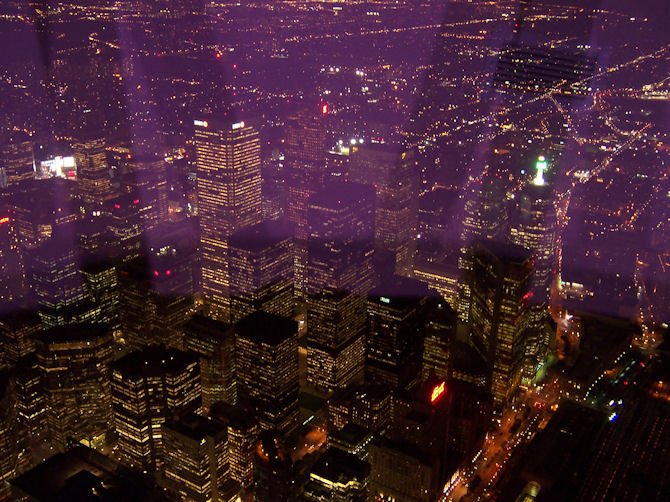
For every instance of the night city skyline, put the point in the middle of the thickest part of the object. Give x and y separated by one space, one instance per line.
334 250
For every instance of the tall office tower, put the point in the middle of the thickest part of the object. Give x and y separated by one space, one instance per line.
214 342
124 225
148 387
93 179
396 315
305 161
74 361
306 173
229 198
195 457
339 273
17 162
101 284
154 300
53 273
440 330
11 260
243 434
484 217
147 183
266 369
392 172
261 270
18 329
499 314
31 403
533 227
12 439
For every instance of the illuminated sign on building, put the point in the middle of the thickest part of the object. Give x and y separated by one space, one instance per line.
438 390
200 123
4 220
61 167
324 109
238 125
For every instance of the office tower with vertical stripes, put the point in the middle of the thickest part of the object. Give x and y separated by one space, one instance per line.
229 198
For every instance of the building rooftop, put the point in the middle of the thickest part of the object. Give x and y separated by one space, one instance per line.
154 360
195 426
258 237
262 327
75 333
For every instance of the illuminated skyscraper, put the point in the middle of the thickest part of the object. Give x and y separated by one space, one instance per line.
533 227
18 329
229 199
392 172
74 361
214 342
261 270
17 162
305 161
306 173
147 184
94 184
395 332
266 369
339 273
54 275
155 300
148 386
499 314
195 457
11 260
484 218
243 433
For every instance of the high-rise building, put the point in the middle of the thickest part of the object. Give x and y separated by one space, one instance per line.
31 403
396 311
339 273
53 273
440 329
17 162
124 225
391 172
214 342
533 226
74 362
155 300
93 179
147 183
12 439
148 387
306 173
102 287
195 457
229 199
484 217
266 369
12 274
261 270
243 434
305 162
18 330
499 283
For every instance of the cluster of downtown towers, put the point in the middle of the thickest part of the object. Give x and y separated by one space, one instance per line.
165 343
